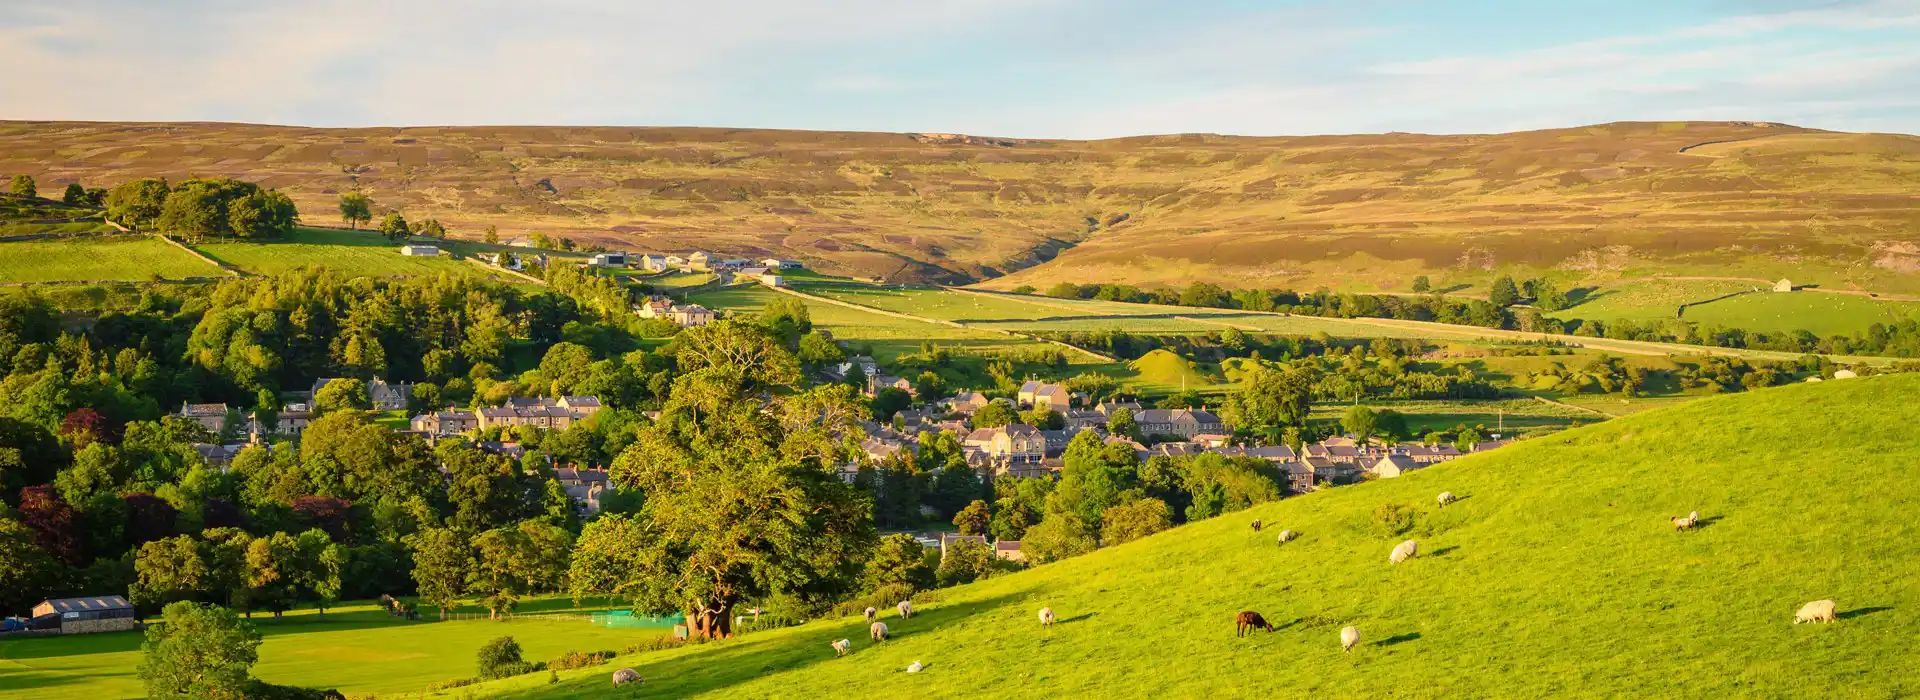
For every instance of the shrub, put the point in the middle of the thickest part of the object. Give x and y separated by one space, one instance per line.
579 659
1394 520
501 658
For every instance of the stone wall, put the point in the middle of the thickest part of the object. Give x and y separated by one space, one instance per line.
90 626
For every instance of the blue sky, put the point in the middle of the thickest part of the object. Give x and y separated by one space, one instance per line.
1027 68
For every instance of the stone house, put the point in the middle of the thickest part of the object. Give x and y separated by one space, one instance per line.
212 416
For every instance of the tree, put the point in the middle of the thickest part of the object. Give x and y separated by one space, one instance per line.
1204 294
395 227
997 413
75 194
1503 293
29 568
136 204
1273 398
1131 521
432 228
1121 424
1360 422
974 519
818 349
742 501
342 395
199 652
500 657
355 209
264 214
23 186
888 401
965 561
442 561
1063 534
170 570
493 234
1393 426
1421 285
1094 478
899 563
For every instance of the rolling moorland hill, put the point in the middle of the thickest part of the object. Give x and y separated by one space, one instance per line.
1557 574
1594 204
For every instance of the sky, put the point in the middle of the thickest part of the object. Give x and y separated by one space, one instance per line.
1017 68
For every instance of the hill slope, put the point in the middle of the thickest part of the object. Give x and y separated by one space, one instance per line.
1355 212
1556 575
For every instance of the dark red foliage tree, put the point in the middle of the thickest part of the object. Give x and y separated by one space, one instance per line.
149 518
86 426
220 512
334 515
55 526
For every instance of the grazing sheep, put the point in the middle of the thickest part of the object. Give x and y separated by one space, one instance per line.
906 609
878 631
739 621
1405 551
1816 611
1686 523
840 648
1246 622
1046 617
625 676
1446 497
915 668
872 613
1349 636
1256 525
1288 536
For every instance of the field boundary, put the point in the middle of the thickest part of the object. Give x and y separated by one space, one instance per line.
1584 409
223 267
491 268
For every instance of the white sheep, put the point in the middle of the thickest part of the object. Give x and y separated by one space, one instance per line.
1349 636
872 613
840 648
1446 497
1816 611
1288 536
1405 551
878 631
915 668
1046 617
1686 523
625 676
906 609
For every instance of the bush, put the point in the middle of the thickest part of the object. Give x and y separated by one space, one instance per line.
579 659
438 686
501 658
260 690
1394 520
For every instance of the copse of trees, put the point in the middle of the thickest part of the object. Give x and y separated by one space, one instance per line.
202 208
23 186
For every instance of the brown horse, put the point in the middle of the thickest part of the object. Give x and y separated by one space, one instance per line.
1249 621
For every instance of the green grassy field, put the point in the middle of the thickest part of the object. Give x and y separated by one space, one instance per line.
351 252
356 648
889 336
1822 314
1513 417
1648 300
1555 575
102 258
18 228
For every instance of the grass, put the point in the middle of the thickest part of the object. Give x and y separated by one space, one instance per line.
890 336
1556 575
1649 300
1514 417
352 252
356 648
102 258
1822 314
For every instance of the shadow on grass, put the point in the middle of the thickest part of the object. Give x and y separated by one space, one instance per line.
1449 289
1076 618
1707 522
1398 639
721 665
1441 552
1862 612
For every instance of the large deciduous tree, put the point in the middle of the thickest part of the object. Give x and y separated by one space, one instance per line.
741 501
200 652
355 209
136 204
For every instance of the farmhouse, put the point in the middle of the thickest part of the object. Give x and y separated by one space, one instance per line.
1012 444
1184 422
386 397
212 416
1391 466
653 263
1784 285
778 264
109 613
773 280
608 260
690 315
419 251
654 307
446 423
1009 550
1043 395
697 261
